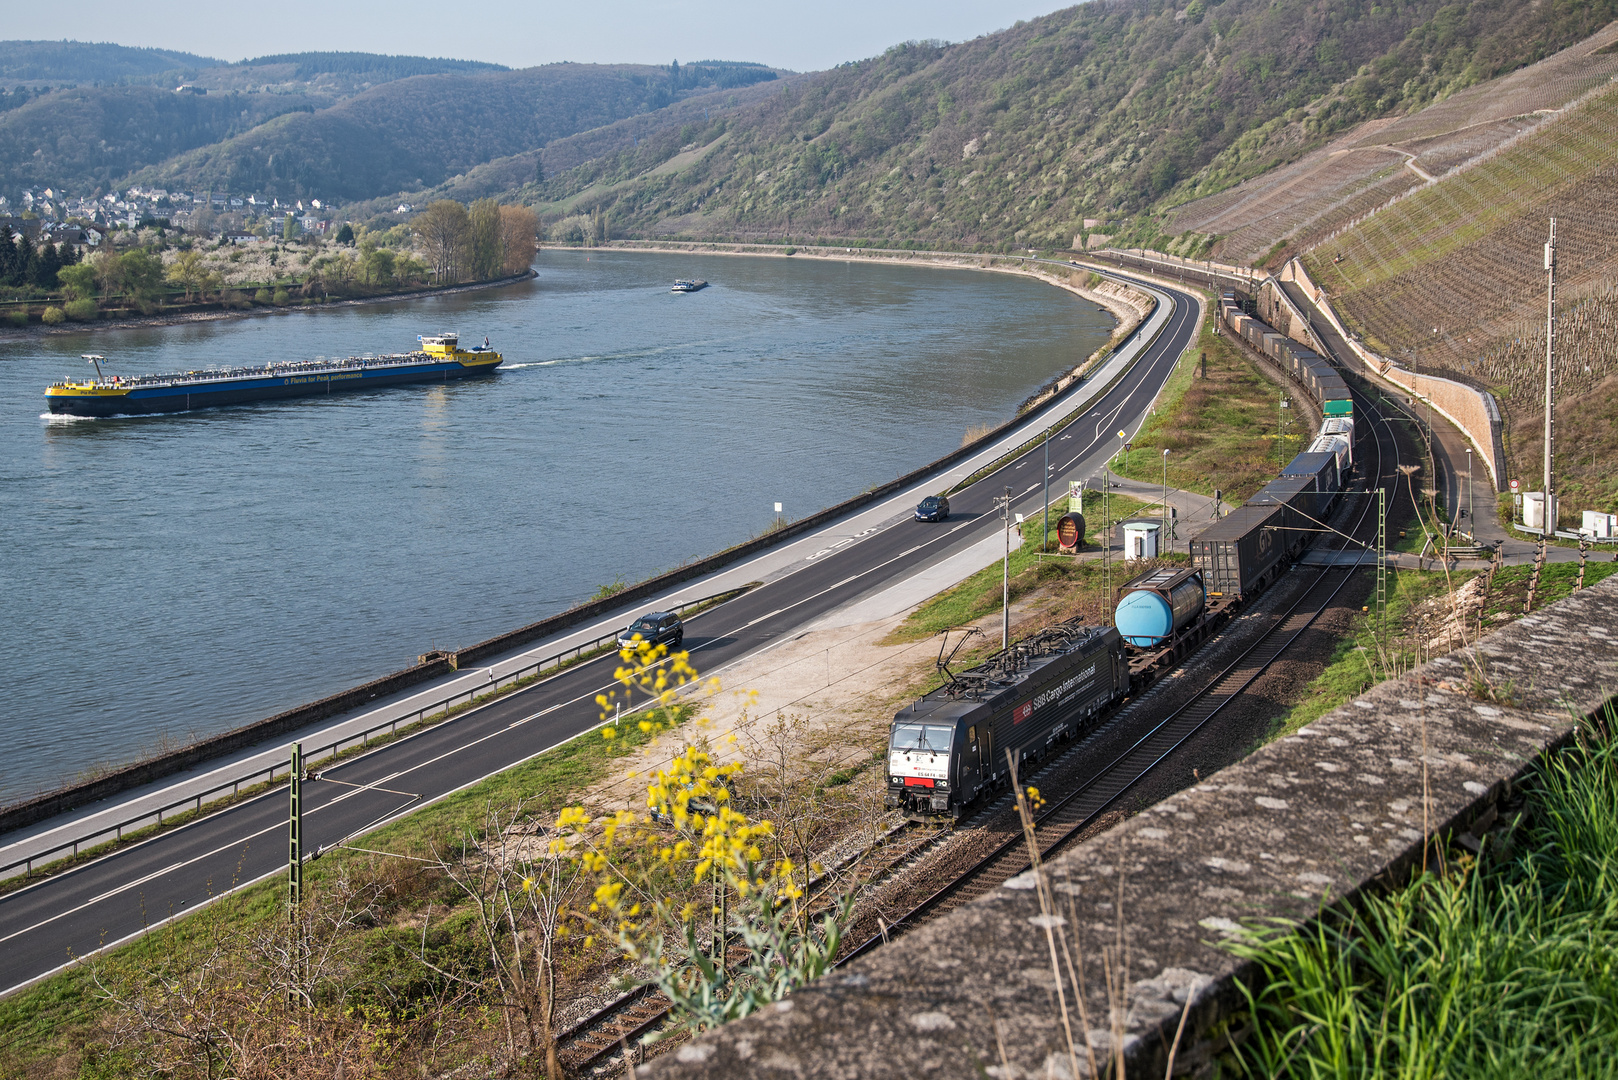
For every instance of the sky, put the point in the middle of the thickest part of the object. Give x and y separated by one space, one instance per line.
522 33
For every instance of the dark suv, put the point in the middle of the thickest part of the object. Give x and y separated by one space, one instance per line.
656 627
933 508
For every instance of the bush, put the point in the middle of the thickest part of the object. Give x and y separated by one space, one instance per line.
792 251
263 296
18 317
281 297
54 316
233 298
81 310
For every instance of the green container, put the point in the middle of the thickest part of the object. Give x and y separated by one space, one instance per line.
1339 408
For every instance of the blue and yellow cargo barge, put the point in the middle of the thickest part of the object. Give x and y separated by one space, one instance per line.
440 359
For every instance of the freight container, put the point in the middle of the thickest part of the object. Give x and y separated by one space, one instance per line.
1245 550
1294 491
1323 467
1337 446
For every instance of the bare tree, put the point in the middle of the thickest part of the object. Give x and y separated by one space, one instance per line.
445 230
519 230
520 887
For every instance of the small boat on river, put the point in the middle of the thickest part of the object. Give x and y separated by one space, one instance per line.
440 359
684 285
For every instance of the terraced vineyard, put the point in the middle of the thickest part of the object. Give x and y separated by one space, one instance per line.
1308 203
1451 277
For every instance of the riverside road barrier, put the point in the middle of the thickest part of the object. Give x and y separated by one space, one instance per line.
268 774
49 804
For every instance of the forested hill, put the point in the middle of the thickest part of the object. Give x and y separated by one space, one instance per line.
54 62
1106 110
415 133
348 125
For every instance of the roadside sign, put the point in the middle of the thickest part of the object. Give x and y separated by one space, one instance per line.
1515 484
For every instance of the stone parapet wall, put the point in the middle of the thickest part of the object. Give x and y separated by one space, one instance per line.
1320 816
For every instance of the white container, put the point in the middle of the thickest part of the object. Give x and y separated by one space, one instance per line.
1533 509
1140 539
1599 526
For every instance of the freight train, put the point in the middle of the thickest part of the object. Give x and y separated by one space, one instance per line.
951 746
1252 546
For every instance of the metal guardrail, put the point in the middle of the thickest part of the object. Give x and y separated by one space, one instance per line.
332 749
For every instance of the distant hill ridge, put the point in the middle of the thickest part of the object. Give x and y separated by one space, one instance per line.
309 64
85 62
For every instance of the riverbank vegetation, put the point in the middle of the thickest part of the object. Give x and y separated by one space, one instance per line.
153 271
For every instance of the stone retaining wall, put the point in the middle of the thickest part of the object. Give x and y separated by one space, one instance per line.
1321 816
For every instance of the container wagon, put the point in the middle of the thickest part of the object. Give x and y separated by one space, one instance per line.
1247 549
1156 606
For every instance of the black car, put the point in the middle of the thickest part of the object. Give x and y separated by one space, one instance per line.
933 508
656 627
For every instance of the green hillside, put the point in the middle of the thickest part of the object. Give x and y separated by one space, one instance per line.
1107 110
86 62
88 136
417 132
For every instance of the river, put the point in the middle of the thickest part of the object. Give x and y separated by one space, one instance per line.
170 577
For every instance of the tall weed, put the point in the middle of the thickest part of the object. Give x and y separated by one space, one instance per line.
1502 968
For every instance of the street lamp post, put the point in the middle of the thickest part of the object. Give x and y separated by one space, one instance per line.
1046 532
1005 575
1471 525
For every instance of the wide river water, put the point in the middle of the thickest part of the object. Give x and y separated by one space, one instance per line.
175 576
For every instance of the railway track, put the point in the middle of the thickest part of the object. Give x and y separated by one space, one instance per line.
1077 810
628 1017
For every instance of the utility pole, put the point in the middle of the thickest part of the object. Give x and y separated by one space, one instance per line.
1005 575
1168 540
295 836
1550 373
1381 557
1471 523
295 874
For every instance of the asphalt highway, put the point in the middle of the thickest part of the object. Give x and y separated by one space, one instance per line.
75 913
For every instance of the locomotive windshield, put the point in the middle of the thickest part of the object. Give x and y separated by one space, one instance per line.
934 737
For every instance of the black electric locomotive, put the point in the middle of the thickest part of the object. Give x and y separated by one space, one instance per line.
949 747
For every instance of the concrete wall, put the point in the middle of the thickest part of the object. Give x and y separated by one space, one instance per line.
1277 309
1315 818
1474 411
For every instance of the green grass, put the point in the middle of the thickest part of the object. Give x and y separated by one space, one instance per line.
1359 660
980 594
1502 968
1220 431
50 1027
